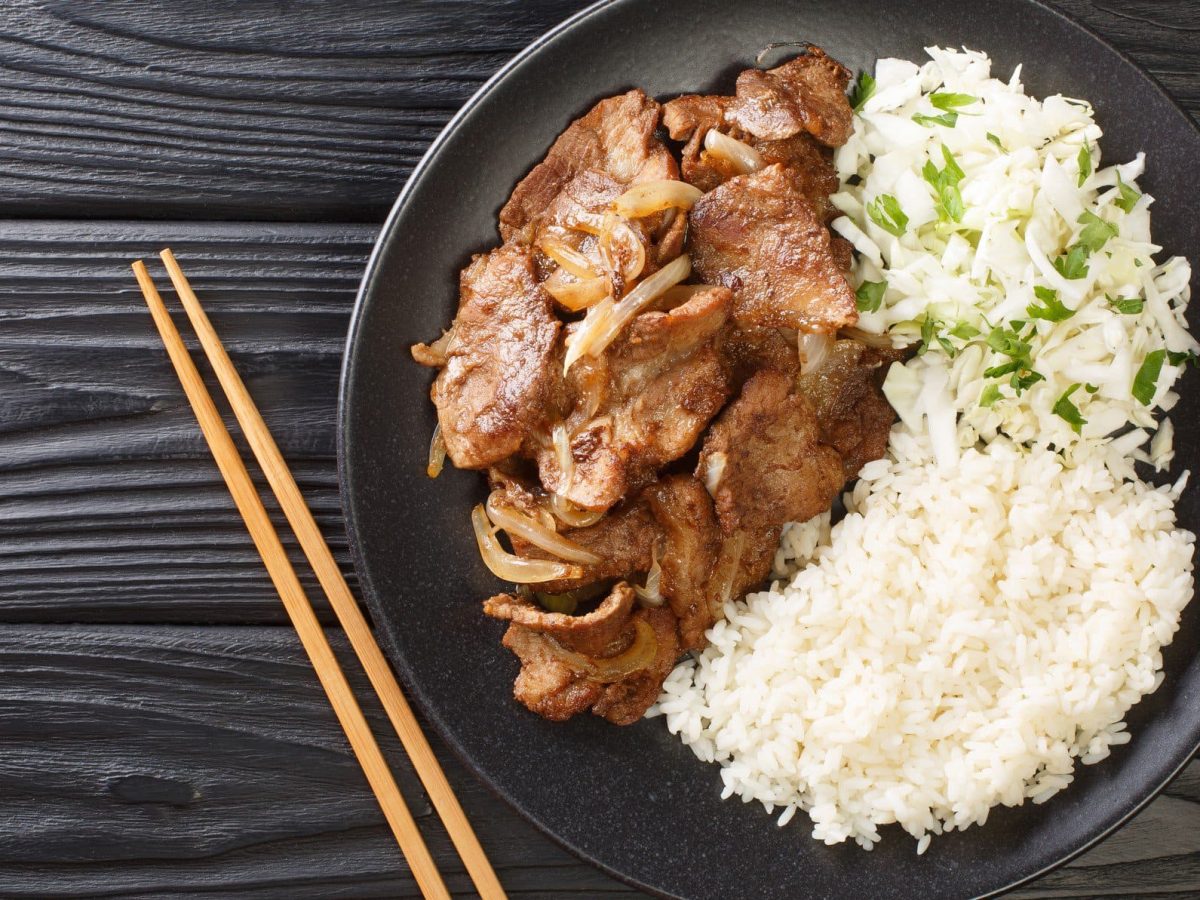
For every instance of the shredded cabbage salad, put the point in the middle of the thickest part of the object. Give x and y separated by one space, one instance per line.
990 235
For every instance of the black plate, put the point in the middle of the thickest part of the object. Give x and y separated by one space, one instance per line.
635 800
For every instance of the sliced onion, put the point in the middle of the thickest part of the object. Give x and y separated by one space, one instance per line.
737 153
727 565
587 222
640 654
517 523
650 595
650 197
595 340
570 514
617 232
814 351
560 439
510 567
714 470
437 453
879 341
578 294
580 340
567 257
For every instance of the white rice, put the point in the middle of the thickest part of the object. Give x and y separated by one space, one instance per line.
999 593
956 641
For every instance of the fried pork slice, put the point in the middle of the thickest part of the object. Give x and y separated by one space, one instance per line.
589 634
687 554
847 392
763 460
619 682
566 196
615 138
641 404
759 236
691 117
499 366
807 93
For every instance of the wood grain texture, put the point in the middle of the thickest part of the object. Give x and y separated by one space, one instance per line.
304 111
161 761
110 507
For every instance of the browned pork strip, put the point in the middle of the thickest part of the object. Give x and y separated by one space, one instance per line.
759 236
589 634
501 364
807 93
643 403
615 138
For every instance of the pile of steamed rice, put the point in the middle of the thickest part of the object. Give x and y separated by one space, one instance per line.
999 592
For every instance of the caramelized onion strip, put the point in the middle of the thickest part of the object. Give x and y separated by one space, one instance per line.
640 655
570 514
510 567
568 257
437 453
650 197
635 301
737 153
518 523
576 295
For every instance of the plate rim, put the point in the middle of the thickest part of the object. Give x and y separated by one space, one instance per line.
367 590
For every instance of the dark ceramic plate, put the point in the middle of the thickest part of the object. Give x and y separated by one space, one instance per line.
634 800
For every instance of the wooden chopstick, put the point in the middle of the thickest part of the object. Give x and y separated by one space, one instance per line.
330 577
294 600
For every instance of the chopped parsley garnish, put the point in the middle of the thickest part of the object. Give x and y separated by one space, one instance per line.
864 90
869 295
1096 231
949 119
1074 264
964 331
948 102
995 140
1068 411
1126 306
1128 196
1008 342
885 212
1145 382
1091 388
945 183
1182 357
1085 164
990 395
1052 310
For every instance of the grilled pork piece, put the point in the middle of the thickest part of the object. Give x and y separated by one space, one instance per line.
759 236
642 403
807 93
501 364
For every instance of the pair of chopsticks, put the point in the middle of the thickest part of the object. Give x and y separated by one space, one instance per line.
298 607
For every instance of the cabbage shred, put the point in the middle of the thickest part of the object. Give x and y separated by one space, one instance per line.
990 235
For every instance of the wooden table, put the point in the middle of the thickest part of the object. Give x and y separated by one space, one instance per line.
160 730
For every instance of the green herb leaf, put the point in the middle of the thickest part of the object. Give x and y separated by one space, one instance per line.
885 212
964 331
995 140
864 90
990 395
1008 343
947 101
1145 382
1182 357
1000 371
949 348
945 183
1085 164
1068 411
1074 264
1091 388
869 296
927 331
1129 197
948 119
1095 233
1126 306
1023 381
1052 310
